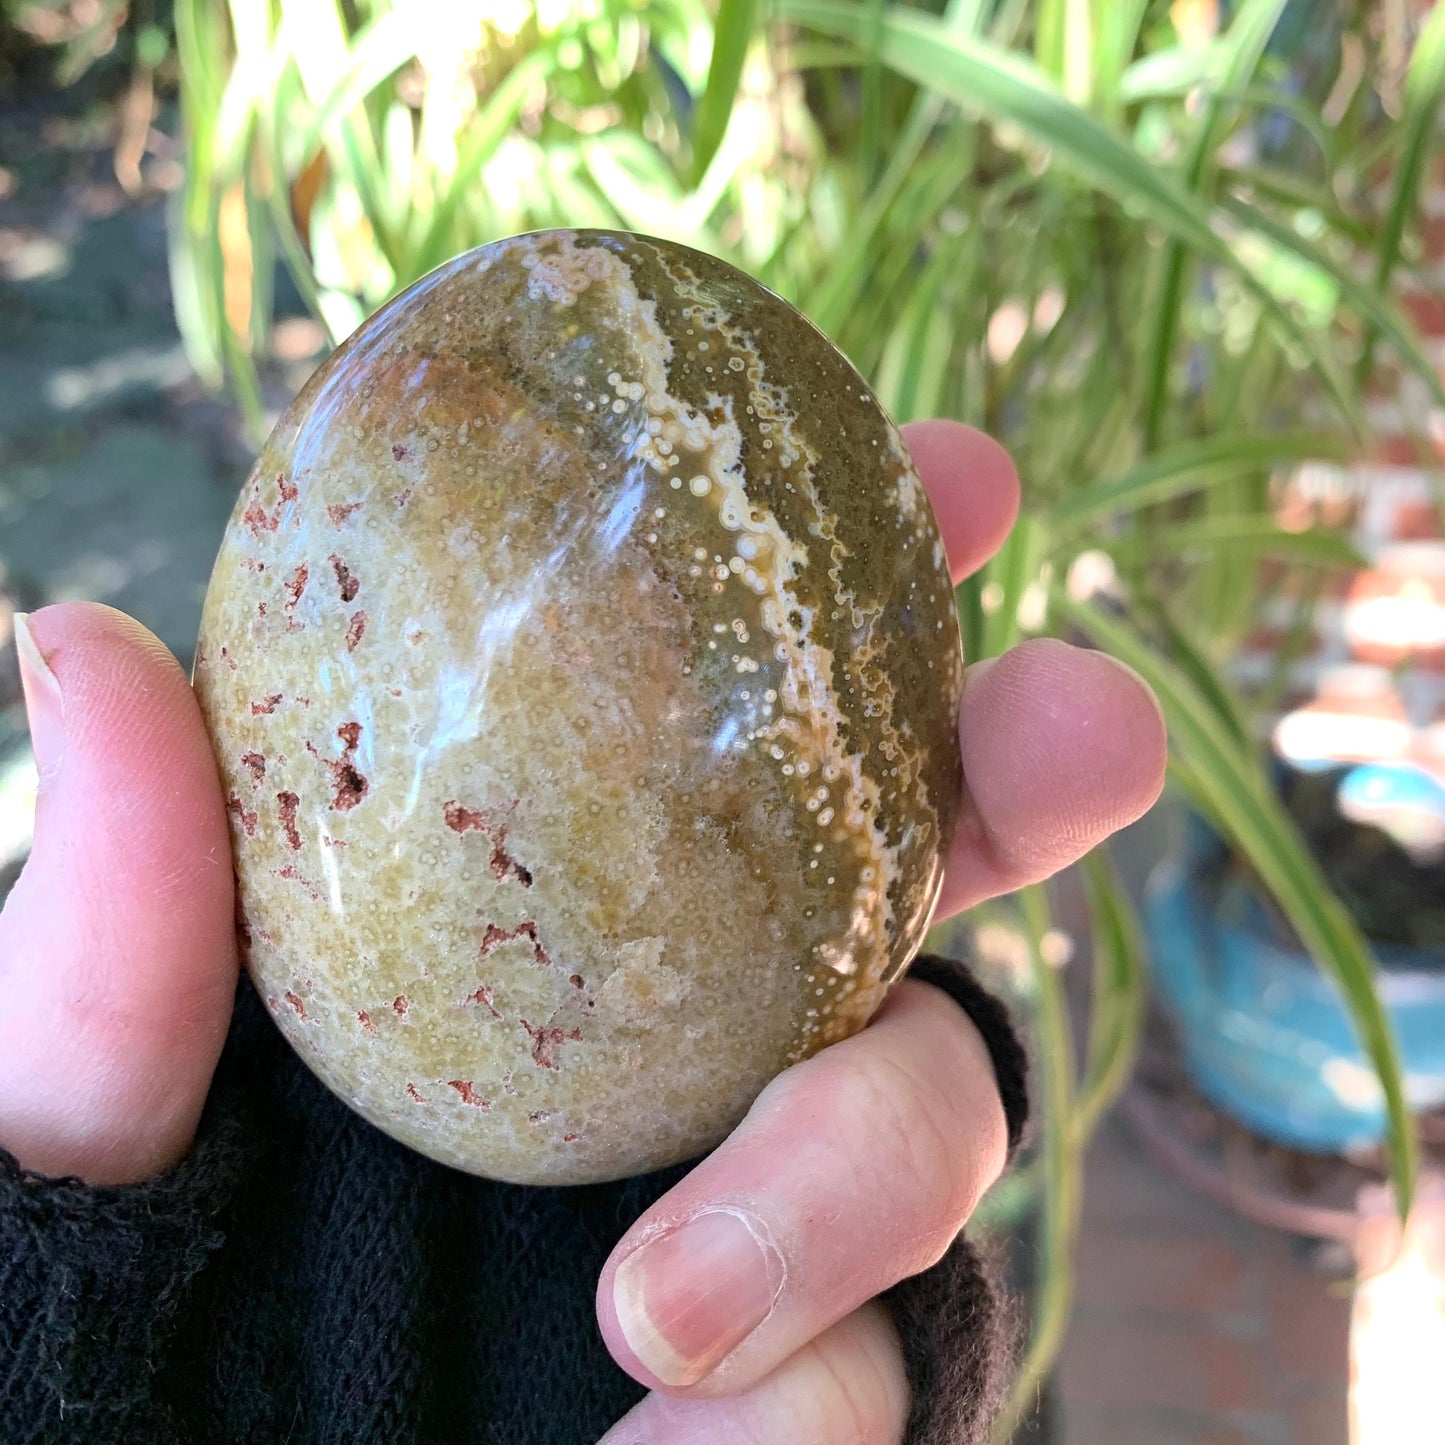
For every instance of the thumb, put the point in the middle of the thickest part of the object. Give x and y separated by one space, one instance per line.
117 951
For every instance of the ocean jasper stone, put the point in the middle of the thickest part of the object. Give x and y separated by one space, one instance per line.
583 671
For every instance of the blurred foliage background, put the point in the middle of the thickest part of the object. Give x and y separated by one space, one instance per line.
1152 246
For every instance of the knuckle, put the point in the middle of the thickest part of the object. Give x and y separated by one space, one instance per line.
847 1387
895 1125
862 1377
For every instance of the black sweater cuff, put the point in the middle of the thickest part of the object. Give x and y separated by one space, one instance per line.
99 1287
991 1019
92 1282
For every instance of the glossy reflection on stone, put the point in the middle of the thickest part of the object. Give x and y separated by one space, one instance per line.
583 672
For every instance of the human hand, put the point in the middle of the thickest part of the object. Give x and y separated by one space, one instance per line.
118 968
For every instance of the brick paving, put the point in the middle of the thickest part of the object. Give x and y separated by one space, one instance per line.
1194 1327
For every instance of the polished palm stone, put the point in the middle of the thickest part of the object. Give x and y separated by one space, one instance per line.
583 672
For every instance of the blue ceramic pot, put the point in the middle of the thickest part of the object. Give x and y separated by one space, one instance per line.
1264 1033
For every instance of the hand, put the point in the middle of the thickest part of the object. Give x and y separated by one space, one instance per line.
855 1169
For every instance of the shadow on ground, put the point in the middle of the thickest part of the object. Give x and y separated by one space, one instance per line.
117 470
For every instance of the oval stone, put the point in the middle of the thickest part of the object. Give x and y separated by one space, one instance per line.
583 671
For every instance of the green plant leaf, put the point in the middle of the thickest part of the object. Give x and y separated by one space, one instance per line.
1049 38
1188 467
1230 787
197 274
1116 1006
1375 306
486 132
1004 87
1117 25
1172 72
1061 1166
870 120
314 34
1299 194
968 600
1080 69
1424 92
1208 677
375 53
914 365
1012 571
638 183
1241 49
1244 532
277 200
193 289
931 182
732 35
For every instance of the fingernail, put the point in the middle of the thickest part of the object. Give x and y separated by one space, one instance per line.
688 1299
43 705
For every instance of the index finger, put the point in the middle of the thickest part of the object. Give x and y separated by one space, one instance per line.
973 487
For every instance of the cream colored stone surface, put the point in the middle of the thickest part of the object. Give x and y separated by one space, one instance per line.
583 672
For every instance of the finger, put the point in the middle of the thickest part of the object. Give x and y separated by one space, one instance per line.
845 1388
1061 747
972 485
117 954
853 1170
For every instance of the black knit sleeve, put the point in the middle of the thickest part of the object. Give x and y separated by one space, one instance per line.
92 1280
954 1321
247 1294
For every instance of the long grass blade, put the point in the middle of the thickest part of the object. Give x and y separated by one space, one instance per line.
837 294
914 366
1424 92
1013 570
1246 533
834 297
1116 1008
1117 23
1230 786
1060 1156
870 121
1002 86
1185 468
1243 46
192 295
197 272
1375 306
1050 27
1164 74
636 181
485 133
314 33
1180 646
375 54
1079 63
1296 193
732 34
